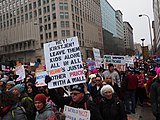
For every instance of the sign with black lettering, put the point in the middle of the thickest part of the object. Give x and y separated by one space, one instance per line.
64 63
118 61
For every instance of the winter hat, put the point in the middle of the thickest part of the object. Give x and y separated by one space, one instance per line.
19 87
92 76
11 82
106 88
94 70
4 80
41 98
78 87
157 70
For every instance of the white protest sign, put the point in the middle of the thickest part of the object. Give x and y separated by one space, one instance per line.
97 57
3 67
40 78
76 113
64 63
116 60
129 61
20 71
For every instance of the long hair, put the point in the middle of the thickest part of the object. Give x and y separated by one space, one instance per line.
8 98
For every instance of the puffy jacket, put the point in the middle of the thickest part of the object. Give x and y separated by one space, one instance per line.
44 113
16 112
112 109
85 103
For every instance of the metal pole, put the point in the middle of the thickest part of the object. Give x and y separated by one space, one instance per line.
149 21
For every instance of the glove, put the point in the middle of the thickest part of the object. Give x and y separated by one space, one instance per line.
47 79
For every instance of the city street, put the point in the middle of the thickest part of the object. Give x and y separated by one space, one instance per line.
143 113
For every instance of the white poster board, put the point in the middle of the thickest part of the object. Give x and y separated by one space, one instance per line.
129 61
64 63
21 72
76 113
117 60
97 57
40 78
3 67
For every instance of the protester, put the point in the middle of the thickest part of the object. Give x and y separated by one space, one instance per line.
9 85
11 110
131 83
44 110
113 73
155 95
78 99
25 101
111 108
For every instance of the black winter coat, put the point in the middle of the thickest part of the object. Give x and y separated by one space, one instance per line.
112 109
85 103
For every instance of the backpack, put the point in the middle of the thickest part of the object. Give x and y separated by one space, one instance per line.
29 107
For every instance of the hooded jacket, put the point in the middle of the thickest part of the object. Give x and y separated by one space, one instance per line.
14 112
44 113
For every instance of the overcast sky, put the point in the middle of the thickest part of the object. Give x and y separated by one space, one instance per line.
131 9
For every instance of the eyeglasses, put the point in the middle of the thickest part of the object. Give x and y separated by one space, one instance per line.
74 94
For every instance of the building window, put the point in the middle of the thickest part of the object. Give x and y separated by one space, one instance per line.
50 35
54 25
67 24
63 33
40 11
44 10
53 7
61 6
62 15
67 33
26 16
55 33
66 15
34 5
25 8
49 26
35 13
22 18
40 20
30 15
48 9
54 16
65 6
30 6
62 24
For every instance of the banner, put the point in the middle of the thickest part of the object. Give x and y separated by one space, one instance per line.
40 78
76 113
64 63
97 57
20 71
116 60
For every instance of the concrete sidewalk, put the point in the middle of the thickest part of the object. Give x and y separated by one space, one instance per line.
142 113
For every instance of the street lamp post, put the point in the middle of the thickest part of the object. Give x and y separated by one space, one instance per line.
149 22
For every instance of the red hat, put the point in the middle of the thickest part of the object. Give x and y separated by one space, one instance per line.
41 98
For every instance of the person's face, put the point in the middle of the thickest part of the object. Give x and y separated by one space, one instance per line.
94 80
16 92
76 96
108 94
111 68
29 89
8 86
98 80
108 79
1 83
39 105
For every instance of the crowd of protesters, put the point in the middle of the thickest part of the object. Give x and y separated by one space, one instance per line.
108 95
